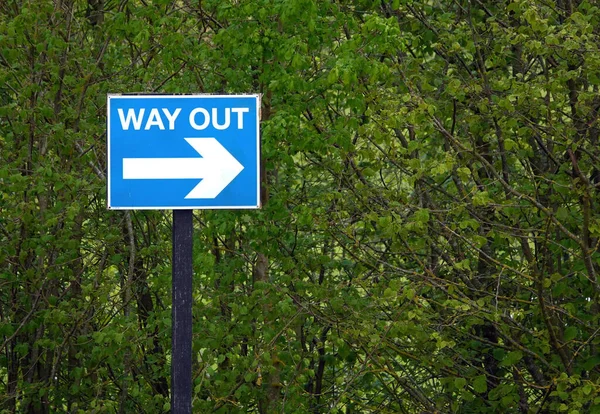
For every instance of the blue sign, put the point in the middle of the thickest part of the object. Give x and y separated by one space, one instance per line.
183 152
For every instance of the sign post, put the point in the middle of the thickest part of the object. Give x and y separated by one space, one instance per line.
183 152
181 337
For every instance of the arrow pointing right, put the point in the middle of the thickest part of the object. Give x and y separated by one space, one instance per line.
217 168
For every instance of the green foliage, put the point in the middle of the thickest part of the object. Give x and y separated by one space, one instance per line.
429 236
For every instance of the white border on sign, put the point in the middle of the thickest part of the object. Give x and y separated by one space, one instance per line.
110 96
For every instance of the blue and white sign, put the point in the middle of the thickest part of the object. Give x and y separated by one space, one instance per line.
183 152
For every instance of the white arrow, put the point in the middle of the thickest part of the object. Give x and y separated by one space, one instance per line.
217 168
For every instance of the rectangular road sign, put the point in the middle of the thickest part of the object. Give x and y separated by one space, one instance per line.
183 152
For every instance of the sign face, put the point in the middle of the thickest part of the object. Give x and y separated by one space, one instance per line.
183 152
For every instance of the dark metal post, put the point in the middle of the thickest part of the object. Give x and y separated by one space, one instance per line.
181 339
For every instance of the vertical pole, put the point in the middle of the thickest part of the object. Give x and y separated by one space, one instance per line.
181 339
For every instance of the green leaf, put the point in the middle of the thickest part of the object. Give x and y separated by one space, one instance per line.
570 333
511 358
460 383
480 384
481 198
509 144
389 293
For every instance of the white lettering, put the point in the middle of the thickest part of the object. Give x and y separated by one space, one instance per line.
240 113
215 122
154 120
131 116
193 118
171 117
213 118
